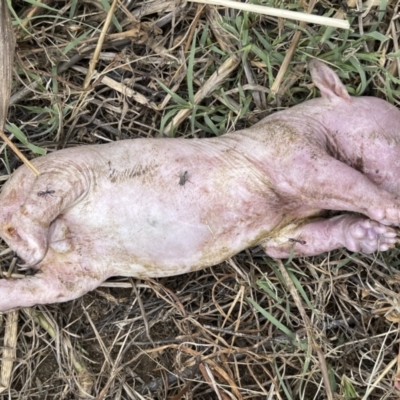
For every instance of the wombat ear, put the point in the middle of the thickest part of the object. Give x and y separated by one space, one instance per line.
327 81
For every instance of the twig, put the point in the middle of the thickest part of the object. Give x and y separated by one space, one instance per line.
96 54
9 350
277 12
290 52
15 149
7 48
193 27
119 87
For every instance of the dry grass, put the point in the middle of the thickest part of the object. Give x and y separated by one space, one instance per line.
250 328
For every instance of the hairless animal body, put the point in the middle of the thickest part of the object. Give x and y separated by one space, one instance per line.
123 208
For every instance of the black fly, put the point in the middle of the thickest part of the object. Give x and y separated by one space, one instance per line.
303 242
46 193
183 178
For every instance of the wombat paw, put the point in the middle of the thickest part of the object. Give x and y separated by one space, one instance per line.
368 236
388 216
31 253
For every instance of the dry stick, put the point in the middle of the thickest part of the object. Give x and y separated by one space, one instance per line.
9 350
96 54
19 154
119 87
289 53
277 12
7 46
395 38
193 27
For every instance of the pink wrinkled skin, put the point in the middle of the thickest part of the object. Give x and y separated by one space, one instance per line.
128 208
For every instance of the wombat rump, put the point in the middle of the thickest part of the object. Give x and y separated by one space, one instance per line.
161 207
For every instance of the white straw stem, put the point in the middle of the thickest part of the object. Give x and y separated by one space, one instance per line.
277 12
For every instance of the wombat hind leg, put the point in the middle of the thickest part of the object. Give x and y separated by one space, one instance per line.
328 184
355 233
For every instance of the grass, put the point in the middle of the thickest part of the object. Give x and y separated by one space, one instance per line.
250 328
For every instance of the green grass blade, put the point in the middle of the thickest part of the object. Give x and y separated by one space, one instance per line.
41 5
176 97
273 320
12 128
114 20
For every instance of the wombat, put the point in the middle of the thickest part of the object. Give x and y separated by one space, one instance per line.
161 207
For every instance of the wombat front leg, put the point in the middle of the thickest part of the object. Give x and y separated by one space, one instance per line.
322 182
355 233
53 283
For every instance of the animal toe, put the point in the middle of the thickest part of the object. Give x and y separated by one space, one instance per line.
369 236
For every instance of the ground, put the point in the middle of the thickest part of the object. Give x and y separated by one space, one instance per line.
251 328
